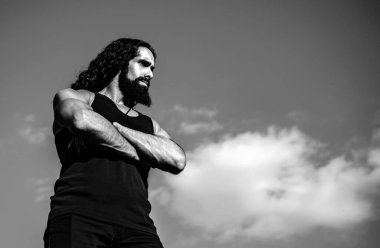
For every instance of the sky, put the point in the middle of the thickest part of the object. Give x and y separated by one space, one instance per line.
276 103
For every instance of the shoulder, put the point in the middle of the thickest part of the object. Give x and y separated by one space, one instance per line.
81 95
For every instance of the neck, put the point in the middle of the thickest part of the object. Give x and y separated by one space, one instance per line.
112 91
129 103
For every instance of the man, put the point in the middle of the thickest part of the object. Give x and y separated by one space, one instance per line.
107 149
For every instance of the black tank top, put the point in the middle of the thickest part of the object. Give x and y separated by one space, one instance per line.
97 182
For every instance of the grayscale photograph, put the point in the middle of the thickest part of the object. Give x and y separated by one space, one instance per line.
190 124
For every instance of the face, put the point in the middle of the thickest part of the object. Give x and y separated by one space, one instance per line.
134 83
141 67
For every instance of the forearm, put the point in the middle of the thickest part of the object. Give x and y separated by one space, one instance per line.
95 129
159 151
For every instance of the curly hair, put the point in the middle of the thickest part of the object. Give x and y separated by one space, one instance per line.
114 58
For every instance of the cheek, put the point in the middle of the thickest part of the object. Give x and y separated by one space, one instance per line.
133 72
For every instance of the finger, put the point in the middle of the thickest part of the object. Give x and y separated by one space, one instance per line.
118 127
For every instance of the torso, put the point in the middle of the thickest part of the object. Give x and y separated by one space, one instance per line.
112 92
126 110
98 183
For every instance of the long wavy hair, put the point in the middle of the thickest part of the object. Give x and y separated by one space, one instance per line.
114 58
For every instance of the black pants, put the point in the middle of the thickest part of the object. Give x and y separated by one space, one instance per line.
75 231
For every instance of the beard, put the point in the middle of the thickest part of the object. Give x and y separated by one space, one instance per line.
133 92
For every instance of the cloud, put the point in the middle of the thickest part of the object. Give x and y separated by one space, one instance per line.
32 134
187 121
376 134
35 135
271 185
298 116
201 112
374 157
42 188
191 128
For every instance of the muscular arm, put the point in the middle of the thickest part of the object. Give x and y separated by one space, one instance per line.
72 110
158 149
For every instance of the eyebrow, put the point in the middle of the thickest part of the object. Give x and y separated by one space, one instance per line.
148 62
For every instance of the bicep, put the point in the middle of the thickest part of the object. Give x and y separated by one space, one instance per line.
68 106
79 95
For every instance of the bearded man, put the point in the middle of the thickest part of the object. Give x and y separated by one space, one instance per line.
106 149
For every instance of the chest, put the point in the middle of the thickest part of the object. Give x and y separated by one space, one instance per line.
113 113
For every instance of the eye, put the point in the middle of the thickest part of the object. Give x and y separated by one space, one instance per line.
144 63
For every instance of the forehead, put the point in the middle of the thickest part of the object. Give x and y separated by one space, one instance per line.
144 54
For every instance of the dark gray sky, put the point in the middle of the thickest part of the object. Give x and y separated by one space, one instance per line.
250 89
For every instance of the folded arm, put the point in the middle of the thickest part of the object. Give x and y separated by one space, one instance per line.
72 110
158 148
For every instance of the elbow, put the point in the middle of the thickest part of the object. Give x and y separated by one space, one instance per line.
72 116
180 163
78 121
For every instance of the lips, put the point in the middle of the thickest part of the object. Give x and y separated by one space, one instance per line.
144 82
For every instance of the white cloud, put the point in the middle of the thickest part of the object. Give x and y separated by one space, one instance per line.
199 127
374 157
269 185
376 134
42 188
187 121
30 118
298 116
34 135
201 112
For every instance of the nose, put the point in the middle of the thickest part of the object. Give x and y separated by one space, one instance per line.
149 73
